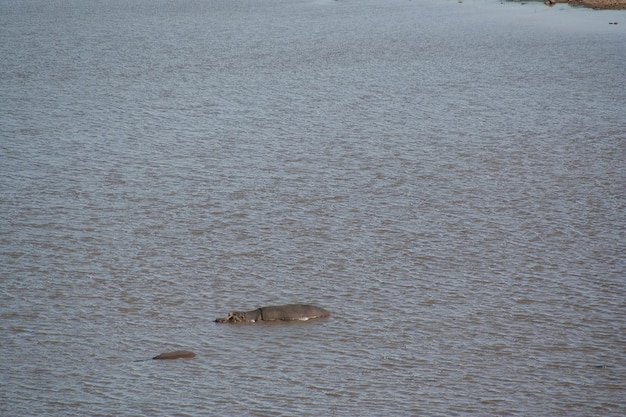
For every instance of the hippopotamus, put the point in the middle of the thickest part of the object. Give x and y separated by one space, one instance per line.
176 355
273 313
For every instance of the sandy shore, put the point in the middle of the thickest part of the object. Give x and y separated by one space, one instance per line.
595 4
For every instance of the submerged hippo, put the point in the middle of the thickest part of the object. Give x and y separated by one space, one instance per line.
176 355
273 313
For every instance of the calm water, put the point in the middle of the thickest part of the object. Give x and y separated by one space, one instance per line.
448 179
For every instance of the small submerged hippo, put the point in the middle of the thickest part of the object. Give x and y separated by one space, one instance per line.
176 355
273 313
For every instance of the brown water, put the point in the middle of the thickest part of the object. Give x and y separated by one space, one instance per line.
448 179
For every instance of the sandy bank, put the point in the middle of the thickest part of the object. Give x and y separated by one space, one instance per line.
595 4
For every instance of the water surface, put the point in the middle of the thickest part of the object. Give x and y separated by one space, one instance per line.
448 179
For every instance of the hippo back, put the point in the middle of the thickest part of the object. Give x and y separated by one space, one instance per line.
292 312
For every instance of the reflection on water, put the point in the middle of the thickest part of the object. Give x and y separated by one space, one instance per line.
446 178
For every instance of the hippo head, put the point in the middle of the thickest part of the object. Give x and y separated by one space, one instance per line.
233 317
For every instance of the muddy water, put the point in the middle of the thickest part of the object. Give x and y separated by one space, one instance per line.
448 179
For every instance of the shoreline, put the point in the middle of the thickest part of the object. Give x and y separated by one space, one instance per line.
592 4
